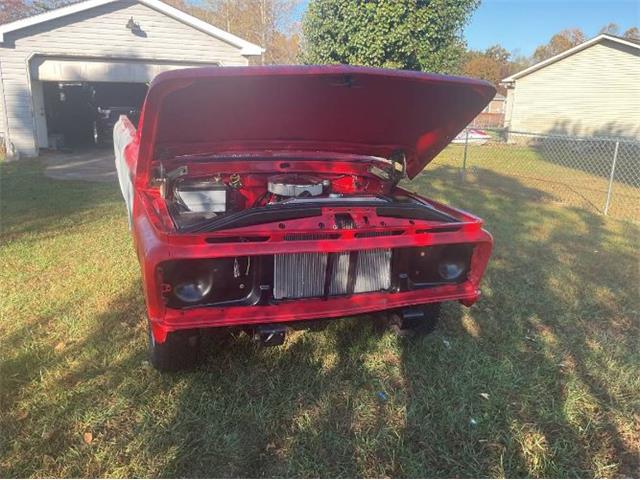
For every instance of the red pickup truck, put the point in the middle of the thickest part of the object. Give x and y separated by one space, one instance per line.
263 197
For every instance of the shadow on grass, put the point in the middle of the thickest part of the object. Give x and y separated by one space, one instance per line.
37 206
280 412
51 394
557 301
551 343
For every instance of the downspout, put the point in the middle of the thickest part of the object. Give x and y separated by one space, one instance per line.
5 118
508 106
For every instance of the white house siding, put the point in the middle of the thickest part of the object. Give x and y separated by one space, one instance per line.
595 91
508 108
2 117
100 33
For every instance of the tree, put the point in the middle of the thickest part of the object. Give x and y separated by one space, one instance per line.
632 34
268 23
284 49
518 63
45 5
560 42
481 66
408 34
11 10
611 29
498 53
492 65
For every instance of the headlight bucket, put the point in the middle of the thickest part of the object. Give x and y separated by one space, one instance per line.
216 281
451 270
195 289
439 264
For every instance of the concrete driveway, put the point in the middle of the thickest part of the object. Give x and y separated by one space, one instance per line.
91 164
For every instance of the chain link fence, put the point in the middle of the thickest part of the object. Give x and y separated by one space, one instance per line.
600 174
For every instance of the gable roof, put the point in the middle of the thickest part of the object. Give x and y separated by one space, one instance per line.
571 51
246 48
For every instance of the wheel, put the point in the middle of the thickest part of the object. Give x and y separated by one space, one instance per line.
421 320
180 351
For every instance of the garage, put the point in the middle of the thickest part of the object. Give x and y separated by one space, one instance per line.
67 75
80 114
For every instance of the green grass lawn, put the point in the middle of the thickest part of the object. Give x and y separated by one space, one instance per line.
563 175
553 344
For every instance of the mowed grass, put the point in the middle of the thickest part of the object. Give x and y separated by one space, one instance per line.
540 378
560 173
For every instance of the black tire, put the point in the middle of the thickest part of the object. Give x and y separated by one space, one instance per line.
180 351
411 326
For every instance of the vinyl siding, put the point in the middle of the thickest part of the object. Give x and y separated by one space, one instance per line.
2 117
595 91
508 108
100 33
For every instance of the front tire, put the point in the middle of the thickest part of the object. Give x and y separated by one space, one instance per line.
179 351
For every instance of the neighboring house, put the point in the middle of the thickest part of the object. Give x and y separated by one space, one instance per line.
496 105
590 89
111 48
493 114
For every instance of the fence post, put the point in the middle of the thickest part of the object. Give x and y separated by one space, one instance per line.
464 158
613 171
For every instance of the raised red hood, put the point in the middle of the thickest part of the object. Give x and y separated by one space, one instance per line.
342 109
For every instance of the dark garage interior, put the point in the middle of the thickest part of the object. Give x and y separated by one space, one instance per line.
81 114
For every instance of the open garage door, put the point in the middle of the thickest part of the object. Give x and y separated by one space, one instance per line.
81 114
77 100
56 69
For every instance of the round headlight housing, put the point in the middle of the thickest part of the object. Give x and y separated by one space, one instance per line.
451 270
195 289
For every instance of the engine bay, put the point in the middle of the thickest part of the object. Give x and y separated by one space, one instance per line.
199 201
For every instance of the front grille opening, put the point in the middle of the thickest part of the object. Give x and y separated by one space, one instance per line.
306 275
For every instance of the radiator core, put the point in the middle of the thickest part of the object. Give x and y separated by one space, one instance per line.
303 275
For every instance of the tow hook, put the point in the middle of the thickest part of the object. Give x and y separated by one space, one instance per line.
404 321
270 335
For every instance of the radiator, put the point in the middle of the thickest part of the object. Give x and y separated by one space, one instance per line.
303 275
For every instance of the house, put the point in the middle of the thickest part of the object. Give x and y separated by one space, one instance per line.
496 105
493 114
59 67
592 89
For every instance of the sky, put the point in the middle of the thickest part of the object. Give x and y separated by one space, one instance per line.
521 25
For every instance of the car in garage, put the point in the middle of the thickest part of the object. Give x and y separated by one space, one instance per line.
261 198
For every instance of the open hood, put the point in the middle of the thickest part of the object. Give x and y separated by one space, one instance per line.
341 109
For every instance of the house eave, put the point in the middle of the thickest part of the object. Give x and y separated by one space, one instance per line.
246 48
567 53
252 51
